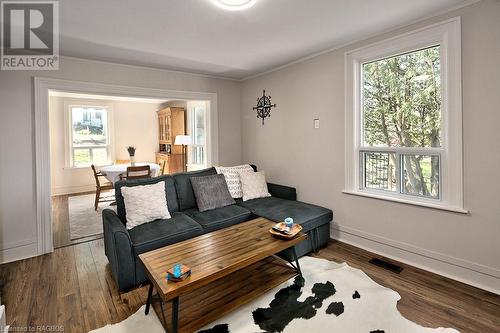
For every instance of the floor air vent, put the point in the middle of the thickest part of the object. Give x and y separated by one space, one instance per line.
386 265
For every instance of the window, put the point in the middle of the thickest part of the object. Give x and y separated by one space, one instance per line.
197 122
403 118
89 136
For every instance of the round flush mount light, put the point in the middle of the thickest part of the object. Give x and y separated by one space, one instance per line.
234 4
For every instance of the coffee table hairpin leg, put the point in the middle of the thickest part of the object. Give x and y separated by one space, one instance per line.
175 314
150 298
175 308
296 260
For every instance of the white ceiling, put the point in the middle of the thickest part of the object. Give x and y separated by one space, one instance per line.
197 36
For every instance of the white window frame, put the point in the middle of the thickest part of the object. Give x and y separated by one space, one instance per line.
447 34
191 122
68 134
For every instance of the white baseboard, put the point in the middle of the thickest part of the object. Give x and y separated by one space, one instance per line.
72 189
484 277
18 243
18 253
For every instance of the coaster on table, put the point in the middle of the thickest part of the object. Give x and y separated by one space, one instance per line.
185 273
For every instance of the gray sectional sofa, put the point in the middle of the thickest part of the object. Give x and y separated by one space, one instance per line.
122 246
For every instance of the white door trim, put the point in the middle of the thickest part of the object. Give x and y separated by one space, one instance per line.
42 142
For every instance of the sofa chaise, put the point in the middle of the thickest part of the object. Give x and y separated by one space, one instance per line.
122 246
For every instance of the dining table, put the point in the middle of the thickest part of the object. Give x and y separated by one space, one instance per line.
113 172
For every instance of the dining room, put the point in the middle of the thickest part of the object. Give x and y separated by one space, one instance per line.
97 140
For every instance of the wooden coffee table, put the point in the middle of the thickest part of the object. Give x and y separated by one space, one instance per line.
230 267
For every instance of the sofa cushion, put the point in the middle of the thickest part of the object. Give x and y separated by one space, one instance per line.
219 218
145 203
232 176
253 185
153 235
185 193
276 209
211 192
173 205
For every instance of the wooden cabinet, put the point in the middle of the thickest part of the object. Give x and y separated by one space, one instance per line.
171 122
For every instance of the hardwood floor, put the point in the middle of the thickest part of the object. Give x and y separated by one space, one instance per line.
73 287
60 223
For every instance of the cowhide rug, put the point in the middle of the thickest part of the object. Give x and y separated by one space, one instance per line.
333 298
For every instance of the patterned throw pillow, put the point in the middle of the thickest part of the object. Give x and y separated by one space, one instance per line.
254 185
145 203
211 192
232 175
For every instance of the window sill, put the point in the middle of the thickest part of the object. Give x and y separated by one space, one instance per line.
86 167
408 202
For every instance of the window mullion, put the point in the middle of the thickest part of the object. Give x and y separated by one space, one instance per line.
362 169
399 173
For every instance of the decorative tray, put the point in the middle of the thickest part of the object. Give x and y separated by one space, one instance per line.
280 230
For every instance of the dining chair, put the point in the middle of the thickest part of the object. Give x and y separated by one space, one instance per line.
99 187
163 165
137 172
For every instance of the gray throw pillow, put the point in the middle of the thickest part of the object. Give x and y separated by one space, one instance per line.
211 192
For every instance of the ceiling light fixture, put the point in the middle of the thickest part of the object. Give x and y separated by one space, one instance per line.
234 4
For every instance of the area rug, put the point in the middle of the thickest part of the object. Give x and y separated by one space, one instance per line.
333 298
84 221
138 322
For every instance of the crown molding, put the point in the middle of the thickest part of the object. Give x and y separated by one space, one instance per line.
365 38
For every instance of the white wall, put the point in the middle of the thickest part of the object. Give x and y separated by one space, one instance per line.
131 123
465 247
17 179
293 153
135 124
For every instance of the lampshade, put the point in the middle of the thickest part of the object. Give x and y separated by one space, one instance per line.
182 140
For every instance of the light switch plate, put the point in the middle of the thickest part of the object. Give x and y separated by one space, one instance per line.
316 123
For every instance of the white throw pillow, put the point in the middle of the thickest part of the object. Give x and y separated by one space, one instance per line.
254 185
232 175
145 203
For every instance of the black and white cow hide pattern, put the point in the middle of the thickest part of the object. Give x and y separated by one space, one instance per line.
285 307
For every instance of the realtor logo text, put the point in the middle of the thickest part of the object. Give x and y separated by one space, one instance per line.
30 35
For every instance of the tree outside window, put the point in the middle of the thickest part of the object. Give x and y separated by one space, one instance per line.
89 136
401 123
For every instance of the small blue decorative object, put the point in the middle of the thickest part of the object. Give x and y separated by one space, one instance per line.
289 222
177 271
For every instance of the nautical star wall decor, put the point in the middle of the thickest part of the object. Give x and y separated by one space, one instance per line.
264 106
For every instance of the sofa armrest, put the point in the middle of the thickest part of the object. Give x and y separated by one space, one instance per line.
119 250
282 191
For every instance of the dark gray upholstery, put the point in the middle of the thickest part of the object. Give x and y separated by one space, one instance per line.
211 192
316 238
277 209
185 193
219 218
283 192
118 249
122 246
159 233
